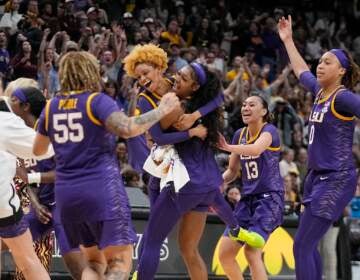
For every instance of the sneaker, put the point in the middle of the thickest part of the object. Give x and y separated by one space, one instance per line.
251 238
134 276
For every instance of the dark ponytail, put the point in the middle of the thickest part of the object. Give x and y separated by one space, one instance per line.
352 75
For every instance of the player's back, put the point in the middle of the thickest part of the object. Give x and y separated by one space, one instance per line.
81 143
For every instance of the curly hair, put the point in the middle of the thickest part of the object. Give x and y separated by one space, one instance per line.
79 71
207 92
148 53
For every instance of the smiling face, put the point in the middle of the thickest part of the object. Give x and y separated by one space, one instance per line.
185 84
148 76
252 110
329 69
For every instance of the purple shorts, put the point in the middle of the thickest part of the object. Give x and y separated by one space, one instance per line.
328 193
14 230
38 229
102 233
261 213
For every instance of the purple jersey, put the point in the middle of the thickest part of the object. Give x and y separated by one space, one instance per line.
331 128
197 157
87 172
260 174
46 191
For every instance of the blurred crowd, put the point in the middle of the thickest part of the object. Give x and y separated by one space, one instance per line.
238 41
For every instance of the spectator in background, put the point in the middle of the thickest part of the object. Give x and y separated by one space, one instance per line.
4 57
131 178
236 64
47 75
285 119
175 55
11 17
24 62
232 195
301 164
172 34
122 155
291 195
287 163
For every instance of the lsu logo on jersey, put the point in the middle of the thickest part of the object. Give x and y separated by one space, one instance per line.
277 252
30 163
318 116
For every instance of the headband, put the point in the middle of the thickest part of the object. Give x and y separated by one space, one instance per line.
20 95
199 72
341 56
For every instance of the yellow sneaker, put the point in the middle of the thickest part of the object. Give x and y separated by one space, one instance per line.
134 276
249 237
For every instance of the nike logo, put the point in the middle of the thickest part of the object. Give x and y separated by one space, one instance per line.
266 195
323 178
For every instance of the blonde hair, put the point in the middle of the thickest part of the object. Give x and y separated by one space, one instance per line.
20 83
148 53
79 71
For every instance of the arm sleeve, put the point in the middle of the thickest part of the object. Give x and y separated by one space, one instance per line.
348 103
103 106
160 137
212 105
19 140
308 80
274 135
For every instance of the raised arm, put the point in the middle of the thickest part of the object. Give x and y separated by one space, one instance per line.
285 31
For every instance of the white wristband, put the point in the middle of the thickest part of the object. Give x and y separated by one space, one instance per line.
34 178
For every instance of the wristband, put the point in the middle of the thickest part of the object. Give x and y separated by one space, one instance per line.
34 178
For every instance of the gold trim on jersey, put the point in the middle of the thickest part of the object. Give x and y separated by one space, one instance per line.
148 98
47 111
36 124
327 97
336 114
72 92
273 149
252 139
88 109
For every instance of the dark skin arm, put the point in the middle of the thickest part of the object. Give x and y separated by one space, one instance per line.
42 212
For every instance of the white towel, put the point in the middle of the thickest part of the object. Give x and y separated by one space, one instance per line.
164 163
